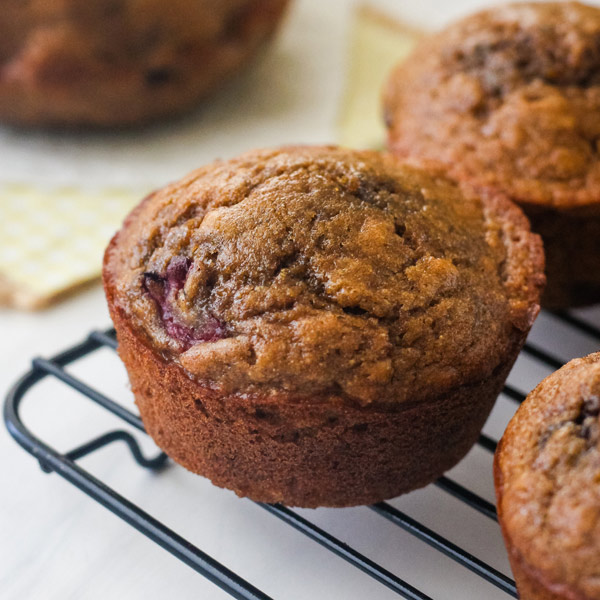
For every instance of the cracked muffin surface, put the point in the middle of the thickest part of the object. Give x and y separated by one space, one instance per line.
323 270
547 473
508 97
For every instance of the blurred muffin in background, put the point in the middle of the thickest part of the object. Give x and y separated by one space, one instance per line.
111 63
509 99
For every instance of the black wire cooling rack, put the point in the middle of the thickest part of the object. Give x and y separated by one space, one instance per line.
66 466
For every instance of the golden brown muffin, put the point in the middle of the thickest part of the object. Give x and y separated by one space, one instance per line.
509 98
318 326
121 62
547 473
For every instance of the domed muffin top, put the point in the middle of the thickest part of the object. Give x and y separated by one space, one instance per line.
548 472
508 97
323 271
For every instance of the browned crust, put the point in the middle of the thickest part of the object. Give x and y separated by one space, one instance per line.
570 248
522 270
525 261
301 451
519 261
532 584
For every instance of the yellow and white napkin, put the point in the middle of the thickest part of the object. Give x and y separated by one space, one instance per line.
377 44
52 241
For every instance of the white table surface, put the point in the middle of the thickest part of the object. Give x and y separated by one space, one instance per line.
57 544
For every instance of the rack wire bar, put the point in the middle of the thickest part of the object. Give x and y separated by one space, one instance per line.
64 465
451 550
346 552
53 368
467 496
543 356
578 323
487 443
51 460
105 338
154 464
513 393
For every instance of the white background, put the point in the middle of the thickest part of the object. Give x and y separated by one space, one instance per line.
57 544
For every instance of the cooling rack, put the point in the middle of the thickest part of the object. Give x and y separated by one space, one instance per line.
66 465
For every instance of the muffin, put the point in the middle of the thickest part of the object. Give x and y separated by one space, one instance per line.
509 98
547 474
319 326
123 62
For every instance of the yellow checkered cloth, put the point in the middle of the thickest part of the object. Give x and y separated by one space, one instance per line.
53 240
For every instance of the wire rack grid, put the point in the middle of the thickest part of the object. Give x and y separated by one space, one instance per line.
66 465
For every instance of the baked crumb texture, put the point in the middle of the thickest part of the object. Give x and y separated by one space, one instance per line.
509 98
122 62
330 305
547 472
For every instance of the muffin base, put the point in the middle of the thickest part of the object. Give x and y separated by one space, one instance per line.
572 246
304 452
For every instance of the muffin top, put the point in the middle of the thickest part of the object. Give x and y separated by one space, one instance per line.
509 98
322 271
548 475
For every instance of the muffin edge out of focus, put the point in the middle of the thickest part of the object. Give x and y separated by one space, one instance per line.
59 69
546 485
